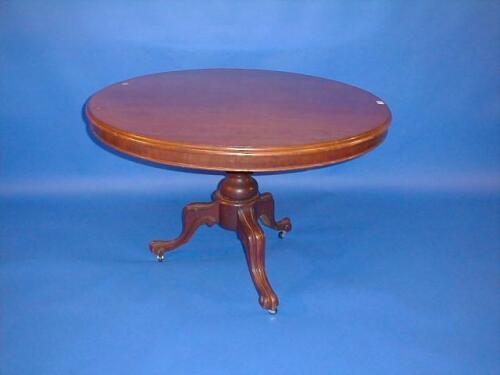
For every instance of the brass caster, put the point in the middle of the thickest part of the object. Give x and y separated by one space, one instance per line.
272 312
160 258
282 234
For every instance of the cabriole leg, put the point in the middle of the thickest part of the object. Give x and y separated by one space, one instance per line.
194 215
265 211
254 243
237 206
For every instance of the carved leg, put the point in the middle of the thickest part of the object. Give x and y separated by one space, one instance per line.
237 206
265 211
253 239
194 215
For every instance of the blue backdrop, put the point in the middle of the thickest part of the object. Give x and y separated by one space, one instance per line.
393 264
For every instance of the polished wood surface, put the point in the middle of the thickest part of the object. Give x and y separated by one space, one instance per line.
236 205
238 120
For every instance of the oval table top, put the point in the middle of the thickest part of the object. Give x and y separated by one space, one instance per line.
238 120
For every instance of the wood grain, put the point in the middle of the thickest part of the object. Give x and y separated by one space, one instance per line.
238 120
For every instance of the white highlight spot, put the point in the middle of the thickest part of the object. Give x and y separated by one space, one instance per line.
124 83
380 102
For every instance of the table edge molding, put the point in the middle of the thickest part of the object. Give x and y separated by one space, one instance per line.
244 159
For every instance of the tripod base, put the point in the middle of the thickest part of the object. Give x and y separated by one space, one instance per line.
236 205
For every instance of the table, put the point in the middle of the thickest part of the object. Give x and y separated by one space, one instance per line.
237 121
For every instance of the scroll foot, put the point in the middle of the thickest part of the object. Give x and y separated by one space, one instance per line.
265 211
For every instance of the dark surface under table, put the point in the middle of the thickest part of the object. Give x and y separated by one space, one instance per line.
371 283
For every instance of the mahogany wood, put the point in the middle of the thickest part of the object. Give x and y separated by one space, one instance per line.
237 121
237 205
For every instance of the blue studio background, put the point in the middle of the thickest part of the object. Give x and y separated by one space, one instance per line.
392 266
